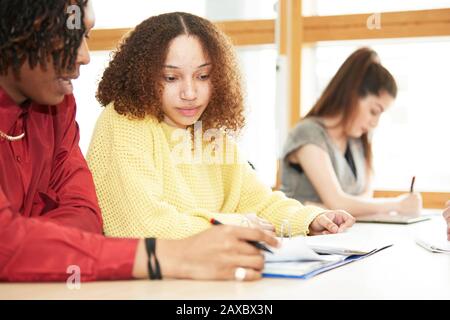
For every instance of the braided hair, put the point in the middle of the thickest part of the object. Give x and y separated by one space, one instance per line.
37 31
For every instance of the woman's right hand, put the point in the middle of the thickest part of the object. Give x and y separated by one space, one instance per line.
214 254
410 203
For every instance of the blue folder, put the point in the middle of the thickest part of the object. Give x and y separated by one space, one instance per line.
290 273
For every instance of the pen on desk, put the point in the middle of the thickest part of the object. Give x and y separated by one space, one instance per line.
254 243
411 189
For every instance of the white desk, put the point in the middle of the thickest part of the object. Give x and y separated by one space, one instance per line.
404 271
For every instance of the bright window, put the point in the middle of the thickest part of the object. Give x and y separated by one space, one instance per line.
333 7
258 65
114 14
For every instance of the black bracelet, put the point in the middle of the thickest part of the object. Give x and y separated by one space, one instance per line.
153 272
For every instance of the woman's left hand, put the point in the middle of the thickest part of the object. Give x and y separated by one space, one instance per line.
331 221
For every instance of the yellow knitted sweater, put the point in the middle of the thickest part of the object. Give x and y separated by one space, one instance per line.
147 189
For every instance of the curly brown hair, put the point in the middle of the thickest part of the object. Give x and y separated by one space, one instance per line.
133 79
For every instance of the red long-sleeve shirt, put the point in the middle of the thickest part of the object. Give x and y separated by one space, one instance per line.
49 216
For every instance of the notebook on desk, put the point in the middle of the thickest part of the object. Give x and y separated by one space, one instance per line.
306 257
391 218
434 238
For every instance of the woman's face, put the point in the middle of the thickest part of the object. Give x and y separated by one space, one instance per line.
369 111
186 82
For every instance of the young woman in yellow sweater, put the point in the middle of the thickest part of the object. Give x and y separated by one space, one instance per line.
161 156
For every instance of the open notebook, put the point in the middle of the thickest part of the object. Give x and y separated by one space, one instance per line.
305 257
434 240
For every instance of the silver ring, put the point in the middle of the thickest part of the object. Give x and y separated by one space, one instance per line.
240 273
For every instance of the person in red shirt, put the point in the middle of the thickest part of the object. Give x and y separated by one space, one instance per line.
49 216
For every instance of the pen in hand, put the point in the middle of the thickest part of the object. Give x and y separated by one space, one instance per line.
411 189
253 243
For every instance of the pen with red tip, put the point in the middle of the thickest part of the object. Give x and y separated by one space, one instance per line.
253 243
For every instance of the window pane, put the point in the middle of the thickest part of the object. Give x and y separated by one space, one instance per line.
85 87
412 137
333 7
258 66
114 14
218 10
